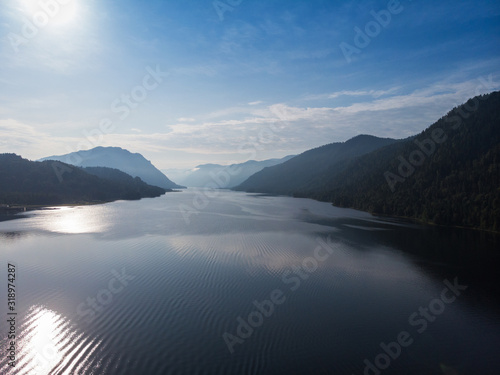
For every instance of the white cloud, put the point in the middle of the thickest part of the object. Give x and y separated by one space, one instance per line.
352 93
441 94
301 128
274 130
28 141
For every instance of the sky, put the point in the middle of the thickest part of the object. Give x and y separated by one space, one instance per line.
188 82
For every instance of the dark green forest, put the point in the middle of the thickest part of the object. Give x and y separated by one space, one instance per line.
24 182
449 174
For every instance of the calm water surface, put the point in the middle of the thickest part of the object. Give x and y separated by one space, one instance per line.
247 285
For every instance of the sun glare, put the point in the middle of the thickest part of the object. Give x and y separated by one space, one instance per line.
51 13
71 220
41 347
49 344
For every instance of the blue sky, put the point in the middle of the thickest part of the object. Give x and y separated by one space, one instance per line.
255 79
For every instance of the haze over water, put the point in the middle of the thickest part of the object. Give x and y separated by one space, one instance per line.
168 290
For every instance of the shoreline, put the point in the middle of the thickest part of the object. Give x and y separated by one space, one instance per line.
9 212
12 212
430 223
410 219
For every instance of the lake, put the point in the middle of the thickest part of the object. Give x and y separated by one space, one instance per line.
221 282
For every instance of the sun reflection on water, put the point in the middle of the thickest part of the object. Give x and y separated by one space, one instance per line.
40 343
48 344
46 329
73 220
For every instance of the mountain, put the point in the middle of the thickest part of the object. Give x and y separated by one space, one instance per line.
139 187
24 182
306 171
448 174
224 176
115 157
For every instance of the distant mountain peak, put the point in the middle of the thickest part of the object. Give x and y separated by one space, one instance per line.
24 182
210 174
119 158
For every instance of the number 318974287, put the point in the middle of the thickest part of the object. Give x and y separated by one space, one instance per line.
11 289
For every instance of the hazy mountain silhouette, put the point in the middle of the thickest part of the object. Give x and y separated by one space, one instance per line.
224 176
115 157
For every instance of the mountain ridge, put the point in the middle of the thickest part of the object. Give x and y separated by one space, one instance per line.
25 182
225 176
447 174
133 164
309 165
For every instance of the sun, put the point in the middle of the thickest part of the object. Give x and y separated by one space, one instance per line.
51 13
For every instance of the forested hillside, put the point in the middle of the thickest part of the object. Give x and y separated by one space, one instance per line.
457 182
305 171
24 182
448 174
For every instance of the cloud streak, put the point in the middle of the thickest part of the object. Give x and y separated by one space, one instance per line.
301 127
